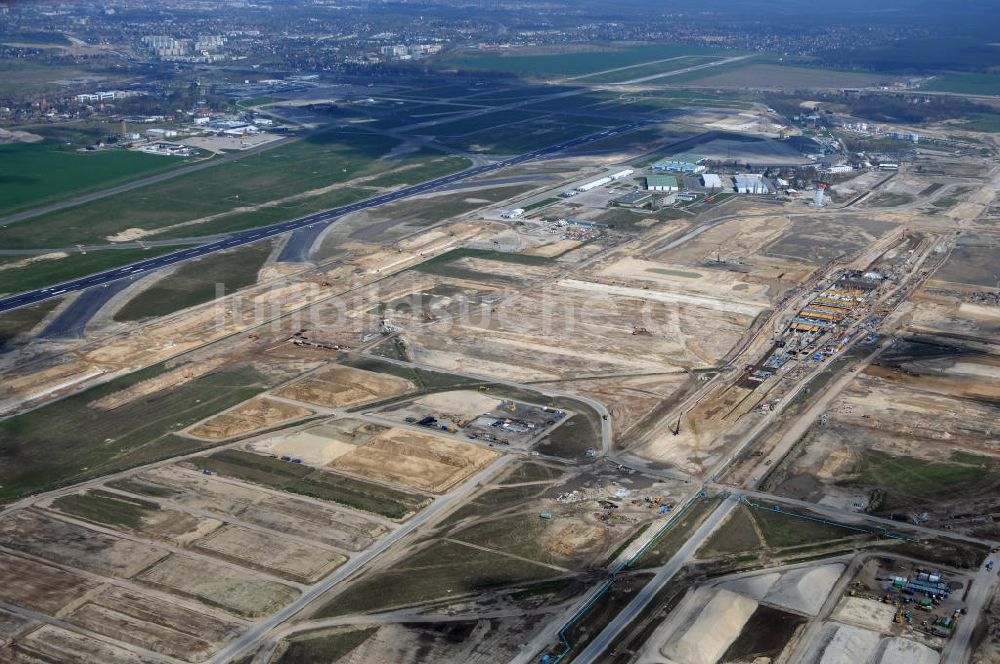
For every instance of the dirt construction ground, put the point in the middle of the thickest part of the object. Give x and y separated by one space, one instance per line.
259 413
340 387
416 460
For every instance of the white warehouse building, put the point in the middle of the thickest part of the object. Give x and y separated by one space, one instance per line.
621 174
594 185
750 183
512 214
711 180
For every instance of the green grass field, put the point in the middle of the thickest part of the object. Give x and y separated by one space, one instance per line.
572 60
107 509
46 273
435 168
196 282
19 321
736 535
908 480
317 161
308 481
442 570
68 441
968 84
519 534
32 174
23 77
780 530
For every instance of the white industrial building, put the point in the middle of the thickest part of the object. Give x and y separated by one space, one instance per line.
512 214
157 133
594 185
711 181
621 174
750 183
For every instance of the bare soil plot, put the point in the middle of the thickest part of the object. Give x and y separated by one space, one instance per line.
164 381
310 446
55 644
40 587
236 590
151 623
44 536
973 261
286 475
825 237
258 413
284 514
272 552
417 460
136 515
339 387
582 328
867 613
723 285
11 625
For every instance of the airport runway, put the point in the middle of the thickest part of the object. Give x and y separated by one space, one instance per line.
324 217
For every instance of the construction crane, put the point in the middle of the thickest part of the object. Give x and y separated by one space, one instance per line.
675 430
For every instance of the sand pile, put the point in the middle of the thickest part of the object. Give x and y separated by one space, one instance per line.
850 645
755 587
804 590
903 651
714 629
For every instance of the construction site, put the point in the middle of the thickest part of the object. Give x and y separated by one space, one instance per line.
511 419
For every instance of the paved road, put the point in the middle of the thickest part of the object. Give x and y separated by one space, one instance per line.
958 648
595 649
71 323
258 631
324 217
